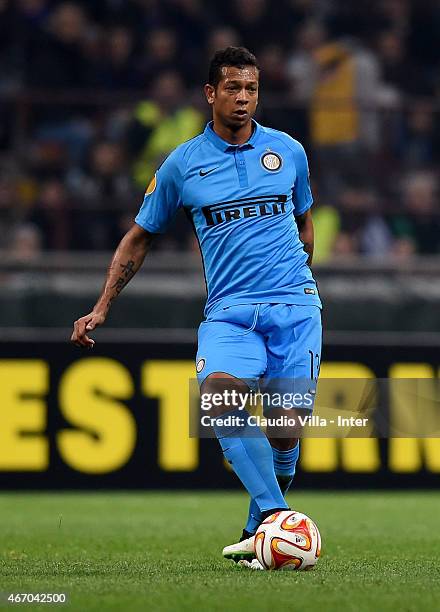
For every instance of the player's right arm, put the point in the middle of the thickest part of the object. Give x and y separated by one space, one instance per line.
126 261
161 201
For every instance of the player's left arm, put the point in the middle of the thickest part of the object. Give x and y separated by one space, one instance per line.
305 228
302 198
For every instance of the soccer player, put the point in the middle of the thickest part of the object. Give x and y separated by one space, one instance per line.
246 189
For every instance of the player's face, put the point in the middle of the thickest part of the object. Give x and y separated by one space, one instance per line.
235 98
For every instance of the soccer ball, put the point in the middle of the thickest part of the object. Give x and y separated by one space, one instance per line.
287 540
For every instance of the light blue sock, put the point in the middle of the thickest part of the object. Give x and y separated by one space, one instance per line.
249 452
284 467
254 517
284 463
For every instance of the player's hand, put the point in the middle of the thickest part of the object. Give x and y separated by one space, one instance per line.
84 325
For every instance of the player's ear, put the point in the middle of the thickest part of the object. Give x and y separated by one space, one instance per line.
209 93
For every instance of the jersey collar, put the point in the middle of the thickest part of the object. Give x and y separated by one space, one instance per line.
227 146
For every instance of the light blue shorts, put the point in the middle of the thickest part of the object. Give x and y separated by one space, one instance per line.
276 345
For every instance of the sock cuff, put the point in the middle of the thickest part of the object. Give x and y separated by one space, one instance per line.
284 462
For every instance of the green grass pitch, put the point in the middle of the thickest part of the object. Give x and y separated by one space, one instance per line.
162 551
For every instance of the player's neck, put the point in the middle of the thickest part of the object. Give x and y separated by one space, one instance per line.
234 137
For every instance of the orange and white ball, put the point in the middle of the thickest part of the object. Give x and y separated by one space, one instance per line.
288 540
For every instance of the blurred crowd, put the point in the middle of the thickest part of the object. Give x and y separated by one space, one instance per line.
95 93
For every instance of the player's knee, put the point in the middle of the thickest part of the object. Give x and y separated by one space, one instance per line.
223 388
220 381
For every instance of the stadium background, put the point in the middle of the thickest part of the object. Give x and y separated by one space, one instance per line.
93 96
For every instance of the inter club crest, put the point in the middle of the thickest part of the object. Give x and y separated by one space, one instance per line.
271 161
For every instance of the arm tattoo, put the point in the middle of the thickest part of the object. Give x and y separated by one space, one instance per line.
127 273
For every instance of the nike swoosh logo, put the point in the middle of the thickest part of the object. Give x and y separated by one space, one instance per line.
207 171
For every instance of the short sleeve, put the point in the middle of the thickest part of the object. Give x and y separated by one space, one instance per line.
163 197
302 194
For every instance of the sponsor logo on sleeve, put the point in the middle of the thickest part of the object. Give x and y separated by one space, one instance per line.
152 185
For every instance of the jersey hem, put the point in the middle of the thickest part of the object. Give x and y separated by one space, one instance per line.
294 299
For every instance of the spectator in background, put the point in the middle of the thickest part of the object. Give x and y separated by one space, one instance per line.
160 124
48 156
56 59
101 192
275 110
25 243
104 177
272 61
331 77
362 219
345 246
115 70
161 54
192 20
403 249
418 147
252 18
398 69
300 68
57 62
51 215
420 222
396 14
218 38
10 209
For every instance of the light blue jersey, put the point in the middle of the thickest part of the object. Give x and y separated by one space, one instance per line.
242 200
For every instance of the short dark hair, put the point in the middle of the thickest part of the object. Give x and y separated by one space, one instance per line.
231 56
